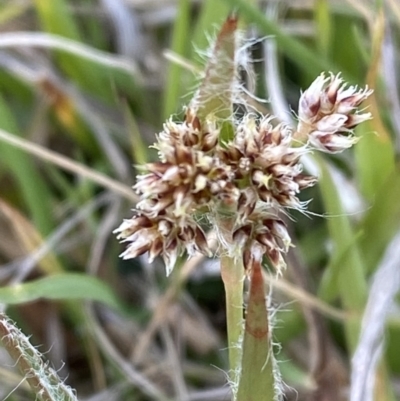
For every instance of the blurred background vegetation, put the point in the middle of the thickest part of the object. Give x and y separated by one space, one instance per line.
84 87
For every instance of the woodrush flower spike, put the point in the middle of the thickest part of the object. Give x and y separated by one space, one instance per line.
256 174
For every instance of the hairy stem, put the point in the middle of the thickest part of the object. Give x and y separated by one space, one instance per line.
43 380
259 379
232 273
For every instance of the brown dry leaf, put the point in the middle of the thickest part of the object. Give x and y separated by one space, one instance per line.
28 237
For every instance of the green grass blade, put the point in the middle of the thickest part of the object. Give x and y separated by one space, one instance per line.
350 272
375 154
381 221
33 190
347 59
180 41
56 18
324 27
139 150
60 287
375 159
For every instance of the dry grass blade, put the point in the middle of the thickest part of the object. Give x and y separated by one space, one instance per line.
68 164
305 298
29 239
385 286
324 365
177 375
102 234
38 248
182 62
126 26
67 101
130 373
273 80
363 9
114 154
160 313
10 381
395 7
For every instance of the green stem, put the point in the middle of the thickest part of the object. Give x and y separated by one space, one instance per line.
232 274
259 377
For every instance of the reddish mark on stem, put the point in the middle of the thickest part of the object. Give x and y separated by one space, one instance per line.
258 333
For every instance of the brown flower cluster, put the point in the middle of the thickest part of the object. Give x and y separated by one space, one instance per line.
264 159
328 112
254 176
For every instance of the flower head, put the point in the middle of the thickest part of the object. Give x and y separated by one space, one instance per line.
266 160
161 235
253 176
328 113
265 233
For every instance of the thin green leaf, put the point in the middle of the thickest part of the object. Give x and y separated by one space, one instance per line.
350 273
381 221
329 286
138 147
60 287
33 190
375 154
292 374
180 40
324 26
56 18
347 59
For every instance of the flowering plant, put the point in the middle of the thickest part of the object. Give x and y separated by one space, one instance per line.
242 174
